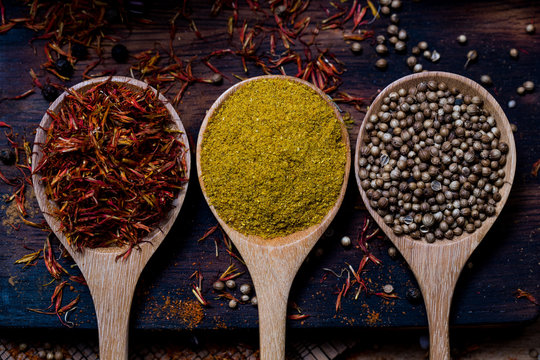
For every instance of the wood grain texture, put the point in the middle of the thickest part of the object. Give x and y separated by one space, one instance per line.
273 263
437 266
507 259
111 282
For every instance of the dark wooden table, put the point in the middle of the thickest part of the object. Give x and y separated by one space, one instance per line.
506 260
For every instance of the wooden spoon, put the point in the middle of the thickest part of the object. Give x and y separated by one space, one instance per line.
274 263
437 266
112 283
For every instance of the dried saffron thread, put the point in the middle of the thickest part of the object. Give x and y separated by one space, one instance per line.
113 164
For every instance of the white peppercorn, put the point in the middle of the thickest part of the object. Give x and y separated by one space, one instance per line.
462 39
530 29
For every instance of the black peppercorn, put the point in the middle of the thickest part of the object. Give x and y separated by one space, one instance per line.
7 156
413 295
79 51
64 67
120 53
49 92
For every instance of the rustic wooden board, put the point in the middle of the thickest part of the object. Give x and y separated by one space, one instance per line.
505 261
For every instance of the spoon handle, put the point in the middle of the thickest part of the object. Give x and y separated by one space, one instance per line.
272 271
437 270
112 284
272 303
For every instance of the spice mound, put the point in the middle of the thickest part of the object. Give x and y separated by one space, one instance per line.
273 158
432 162
113 164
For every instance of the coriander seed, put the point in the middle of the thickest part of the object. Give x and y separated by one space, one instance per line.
432 162
233 304
396 4
435 56
385 10
422 45
530 29
381 49
417 68
427 54
400 46
245 289
486 80
394 18
392 252
345 241
218 285
388 289
356 47
462 39
402 34
392 29
520 90
231 284
411 61
244 298
254 301
380 39
529 86
514 53
381 64
415 50
472 55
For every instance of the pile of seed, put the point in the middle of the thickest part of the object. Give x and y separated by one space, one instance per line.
432 162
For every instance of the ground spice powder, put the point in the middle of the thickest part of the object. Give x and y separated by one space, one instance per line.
273 158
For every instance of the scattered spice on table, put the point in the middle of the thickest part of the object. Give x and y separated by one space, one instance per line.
273 158
112 160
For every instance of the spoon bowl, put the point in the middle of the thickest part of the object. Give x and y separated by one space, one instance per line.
111 282
437 266
273 263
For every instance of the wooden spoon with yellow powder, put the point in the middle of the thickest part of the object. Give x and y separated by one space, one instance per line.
273 159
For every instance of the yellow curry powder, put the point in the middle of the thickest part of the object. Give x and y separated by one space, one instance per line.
273 158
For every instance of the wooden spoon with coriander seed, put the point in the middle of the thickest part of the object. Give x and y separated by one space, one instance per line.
274 262
111 280
437 265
